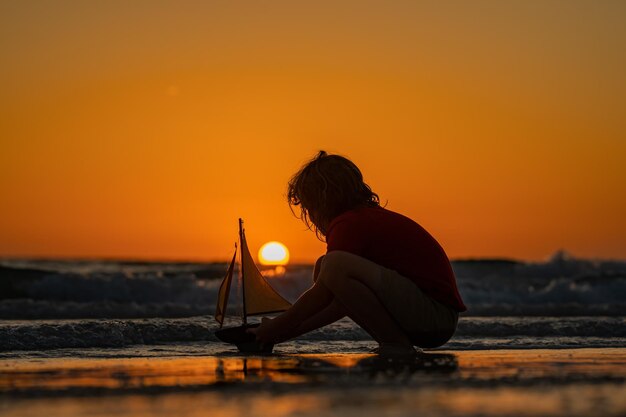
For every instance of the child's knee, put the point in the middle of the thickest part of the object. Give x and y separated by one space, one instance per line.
340 269
317 268
334 268
335 260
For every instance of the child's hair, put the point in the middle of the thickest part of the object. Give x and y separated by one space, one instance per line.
325 187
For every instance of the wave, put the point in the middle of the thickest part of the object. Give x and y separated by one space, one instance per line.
560 286
46 294
471 332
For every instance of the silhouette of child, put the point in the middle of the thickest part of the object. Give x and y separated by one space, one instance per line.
381 269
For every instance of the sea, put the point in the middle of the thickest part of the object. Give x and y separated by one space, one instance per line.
135 339
92 305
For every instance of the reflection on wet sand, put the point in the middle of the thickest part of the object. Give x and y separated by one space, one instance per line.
576 382
571 400
180 373
543 365
139 373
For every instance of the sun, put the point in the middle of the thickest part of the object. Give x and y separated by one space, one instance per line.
273 253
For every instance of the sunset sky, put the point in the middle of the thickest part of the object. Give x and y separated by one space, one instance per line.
144 129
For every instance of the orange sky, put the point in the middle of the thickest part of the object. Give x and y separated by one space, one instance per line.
145 129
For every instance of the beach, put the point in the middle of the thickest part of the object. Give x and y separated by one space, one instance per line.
137 339
173 169
166 381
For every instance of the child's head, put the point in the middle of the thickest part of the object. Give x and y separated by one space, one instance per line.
327 186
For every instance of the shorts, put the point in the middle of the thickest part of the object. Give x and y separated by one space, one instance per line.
427 322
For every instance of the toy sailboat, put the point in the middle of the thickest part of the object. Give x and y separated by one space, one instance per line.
258 297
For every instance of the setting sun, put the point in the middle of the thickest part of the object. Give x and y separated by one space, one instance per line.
273 253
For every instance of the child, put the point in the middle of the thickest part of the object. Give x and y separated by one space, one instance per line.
381 269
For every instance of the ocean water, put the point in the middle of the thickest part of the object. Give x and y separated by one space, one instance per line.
136 339
49 305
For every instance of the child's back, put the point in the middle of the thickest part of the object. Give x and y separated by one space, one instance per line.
399 243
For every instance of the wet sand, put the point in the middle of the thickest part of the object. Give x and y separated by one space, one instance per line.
555 382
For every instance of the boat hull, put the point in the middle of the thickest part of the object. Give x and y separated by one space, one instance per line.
245 342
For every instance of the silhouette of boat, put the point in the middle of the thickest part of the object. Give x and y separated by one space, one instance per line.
258 297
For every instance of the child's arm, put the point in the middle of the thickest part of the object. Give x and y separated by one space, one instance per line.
312 302
333 312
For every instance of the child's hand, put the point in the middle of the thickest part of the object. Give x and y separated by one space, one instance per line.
265 333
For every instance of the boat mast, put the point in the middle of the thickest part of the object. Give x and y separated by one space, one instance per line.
243 285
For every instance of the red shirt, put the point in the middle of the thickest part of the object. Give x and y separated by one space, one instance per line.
397 242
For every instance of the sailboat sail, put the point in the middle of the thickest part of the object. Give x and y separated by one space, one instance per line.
259 296
222 295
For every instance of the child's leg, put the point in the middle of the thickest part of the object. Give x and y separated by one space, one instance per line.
347 281
352 280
